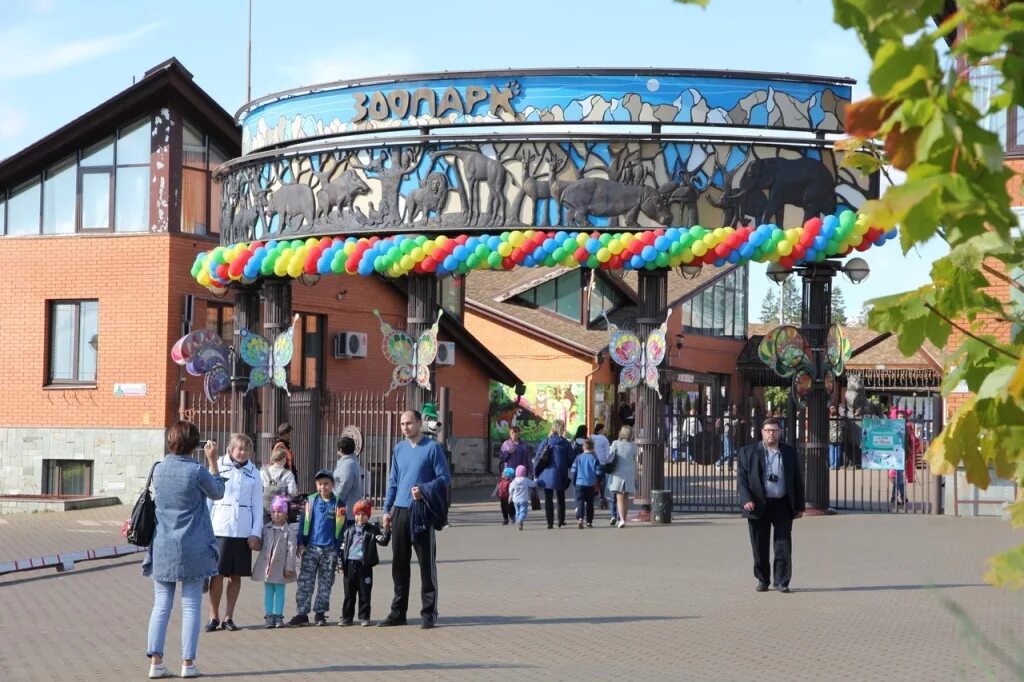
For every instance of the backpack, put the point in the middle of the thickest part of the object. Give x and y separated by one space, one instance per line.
503 485
272 490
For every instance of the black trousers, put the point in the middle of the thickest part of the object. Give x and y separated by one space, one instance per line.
358 581
777 515
585 502
508 510
549 506
402 546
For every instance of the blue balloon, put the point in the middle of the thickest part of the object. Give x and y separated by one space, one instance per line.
747 250
662 243
560 237
593 245
734 257
493 243
830 222
756 239
820 243
649 253
809 256
470 244
451 262
365 268
636 262
880 241
719 262
528 261
323 266
672 234
460 252
891 234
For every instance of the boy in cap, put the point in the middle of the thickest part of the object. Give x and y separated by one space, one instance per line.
319 540
358 557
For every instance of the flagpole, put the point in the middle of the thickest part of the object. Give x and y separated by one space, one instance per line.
248 65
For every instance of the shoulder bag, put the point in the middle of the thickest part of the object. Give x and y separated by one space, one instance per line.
143 522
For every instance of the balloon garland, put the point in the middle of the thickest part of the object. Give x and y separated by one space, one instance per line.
397 255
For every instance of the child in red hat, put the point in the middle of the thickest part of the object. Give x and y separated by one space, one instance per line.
358 557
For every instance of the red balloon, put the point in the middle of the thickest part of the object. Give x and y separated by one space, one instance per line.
864 245
581 255
539 237
461 239
636 246
428 264
799 251
806 239
813 226
786 262
222 271
255 245
615 262
659 232
648 238
722 250
507 263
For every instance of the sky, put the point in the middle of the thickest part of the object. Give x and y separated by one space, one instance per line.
60 58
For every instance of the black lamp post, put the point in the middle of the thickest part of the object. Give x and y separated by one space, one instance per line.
815 319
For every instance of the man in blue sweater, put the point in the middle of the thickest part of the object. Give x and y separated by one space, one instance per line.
419 474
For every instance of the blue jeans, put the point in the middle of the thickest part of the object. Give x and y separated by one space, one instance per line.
834 454
191 604
899 487
521 509
726 450
273 599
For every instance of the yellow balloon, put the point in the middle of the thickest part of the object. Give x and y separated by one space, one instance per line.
615 246
625 238
505 249
295 269
604 255
515 239
416 254
581 238
311 242
710 241
675 261
785 248
686 256
349 248
203 278
407 262
441 240
699 249
719 233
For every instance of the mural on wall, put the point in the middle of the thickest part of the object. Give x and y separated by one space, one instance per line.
595 96
593 183
533 412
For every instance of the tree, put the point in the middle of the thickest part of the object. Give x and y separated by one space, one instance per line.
838 306
770 307
921 119
791 302
862 317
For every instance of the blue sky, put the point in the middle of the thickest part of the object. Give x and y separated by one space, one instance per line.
59 58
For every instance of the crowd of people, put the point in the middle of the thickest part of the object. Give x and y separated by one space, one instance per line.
229 520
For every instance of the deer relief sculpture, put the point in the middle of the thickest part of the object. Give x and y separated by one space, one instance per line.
538 190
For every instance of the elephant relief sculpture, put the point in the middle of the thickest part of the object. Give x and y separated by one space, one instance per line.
478 168
430 197
290 202
338 193
802 182
607 198
741 210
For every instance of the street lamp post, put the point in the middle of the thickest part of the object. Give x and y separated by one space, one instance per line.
815 319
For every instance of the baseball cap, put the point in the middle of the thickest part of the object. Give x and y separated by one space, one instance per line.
324 473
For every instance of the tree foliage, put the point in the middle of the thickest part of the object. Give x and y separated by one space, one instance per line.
769 308
838 306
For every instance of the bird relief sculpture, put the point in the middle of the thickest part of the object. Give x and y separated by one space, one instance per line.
411 359
639 359
268 361
203 353
788 354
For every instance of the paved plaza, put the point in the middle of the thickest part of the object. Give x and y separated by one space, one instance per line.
647 602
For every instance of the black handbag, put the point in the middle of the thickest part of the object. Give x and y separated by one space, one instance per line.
543 460
609 466
143 522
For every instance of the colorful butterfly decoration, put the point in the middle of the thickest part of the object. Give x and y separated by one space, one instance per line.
411 358
785 351
639 359
268 362
203 353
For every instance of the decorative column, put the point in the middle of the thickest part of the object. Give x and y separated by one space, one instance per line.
245 316
649 426
277 316
421 312
815 318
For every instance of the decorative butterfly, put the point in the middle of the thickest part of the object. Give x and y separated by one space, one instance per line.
268 362
785 350
203 353
639 359
411 358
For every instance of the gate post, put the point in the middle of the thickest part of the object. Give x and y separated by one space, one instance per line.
815 318
650 441
421 312
277 313
244 316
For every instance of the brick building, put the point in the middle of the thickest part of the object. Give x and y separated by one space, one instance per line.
100 222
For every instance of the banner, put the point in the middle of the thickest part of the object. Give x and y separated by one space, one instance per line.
533 413
882 443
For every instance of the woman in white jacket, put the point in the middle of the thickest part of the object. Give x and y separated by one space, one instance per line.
238 524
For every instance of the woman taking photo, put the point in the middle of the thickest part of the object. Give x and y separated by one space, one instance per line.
622 479
184 549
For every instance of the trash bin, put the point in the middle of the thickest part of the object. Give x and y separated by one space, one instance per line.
661 506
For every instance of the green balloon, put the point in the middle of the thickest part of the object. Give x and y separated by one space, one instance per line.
472 261
408 245
550 261
494 260
820 256
685 239
421 240
557 255
481 251
651 265
676 249
661 260
832 246
592 262
605 238
697 232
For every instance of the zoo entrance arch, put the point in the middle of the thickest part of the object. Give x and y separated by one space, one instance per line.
438 175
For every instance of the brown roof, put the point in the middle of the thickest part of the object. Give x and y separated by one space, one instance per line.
492 292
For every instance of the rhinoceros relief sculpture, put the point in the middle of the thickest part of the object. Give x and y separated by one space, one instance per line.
599 184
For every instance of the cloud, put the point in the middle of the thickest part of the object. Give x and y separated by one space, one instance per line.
24 53
13 121
355 60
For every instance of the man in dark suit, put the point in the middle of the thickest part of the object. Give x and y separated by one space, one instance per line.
771 491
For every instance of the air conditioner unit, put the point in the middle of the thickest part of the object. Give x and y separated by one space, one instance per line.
350 345
446 353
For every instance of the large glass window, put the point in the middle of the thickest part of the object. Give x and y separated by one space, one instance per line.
603 298
74 340
562 295
67 477
452 301
131 207
719 309
133 144
3 217
23 209
97 191
220 319
59 198
307 360
100 154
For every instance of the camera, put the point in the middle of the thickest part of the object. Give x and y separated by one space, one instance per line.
773 478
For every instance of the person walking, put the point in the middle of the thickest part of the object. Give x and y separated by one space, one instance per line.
771 492
418 485
602 450
348 478
622 479
284 437
520 490
835 437
583 474
183 548
554 457
728 427
238 524
514 452
277 480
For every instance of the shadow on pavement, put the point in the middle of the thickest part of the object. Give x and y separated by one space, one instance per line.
50 572
881 588
468 621
409 667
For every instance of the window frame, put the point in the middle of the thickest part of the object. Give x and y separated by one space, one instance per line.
49 381
221 308
299 358
1014 130
52 471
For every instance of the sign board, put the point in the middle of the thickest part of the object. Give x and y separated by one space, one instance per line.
129 390
883 444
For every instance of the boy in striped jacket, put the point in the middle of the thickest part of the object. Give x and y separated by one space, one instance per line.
318 544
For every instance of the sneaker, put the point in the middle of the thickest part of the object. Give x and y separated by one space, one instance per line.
228 624
427 623
189 670
298 619
590 525
621 524
320 619
613 521
269 621
784 589
279 621
520 524
345 622
212 625
550 526
761 587
391 621
158 671
504 522
579 524
366 623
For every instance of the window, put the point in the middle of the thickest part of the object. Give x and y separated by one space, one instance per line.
562 295
1016 299
986 82
604 298
96 173
200 206
67 477
23 209
59 198
220 319
719 309
452 301
1015 131
307 360
131 182
74 338
3 216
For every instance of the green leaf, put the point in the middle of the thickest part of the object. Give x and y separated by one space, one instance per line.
911 337
994 385
899 68
1007 569
699 3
